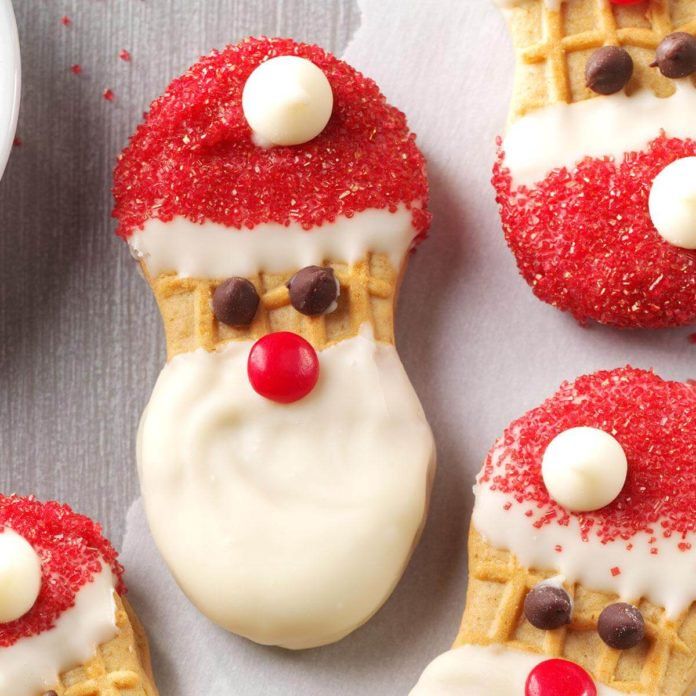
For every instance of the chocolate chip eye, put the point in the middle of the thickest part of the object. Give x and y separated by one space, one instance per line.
548 607
235 302
676 55
313 290
608 70
621 626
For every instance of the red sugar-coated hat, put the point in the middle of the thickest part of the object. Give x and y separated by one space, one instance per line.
653 420
72 552
193 155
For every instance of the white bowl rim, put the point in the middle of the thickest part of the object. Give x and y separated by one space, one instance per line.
10 80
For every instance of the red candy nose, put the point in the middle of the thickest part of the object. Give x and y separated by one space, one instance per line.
559 678
283 367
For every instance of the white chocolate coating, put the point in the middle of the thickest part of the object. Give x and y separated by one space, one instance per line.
551 4
287 101
561 135
20 576
215 251
584 469
287 524
641 573
32 665
673 203
477 670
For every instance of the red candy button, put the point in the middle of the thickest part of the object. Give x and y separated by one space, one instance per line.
559 678
283 367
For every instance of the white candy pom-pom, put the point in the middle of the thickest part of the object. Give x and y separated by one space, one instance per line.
673 203
584 469
287 101
20 576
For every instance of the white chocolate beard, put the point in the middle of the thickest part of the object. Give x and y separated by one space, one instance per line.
477 670
33 665
561 135
211 250
562 549
287 524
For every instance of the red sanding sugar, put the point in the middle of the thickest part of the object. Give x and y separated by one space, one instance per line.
72 551
585 243
65 21
654 421
108 95
194 156
124 55
76 69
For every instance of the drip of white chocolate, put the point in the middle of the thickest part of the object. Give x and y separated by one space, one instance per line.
33 665
561 135
210 250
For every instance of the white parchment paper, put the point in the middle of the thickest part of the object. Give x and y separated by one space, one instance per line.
480 350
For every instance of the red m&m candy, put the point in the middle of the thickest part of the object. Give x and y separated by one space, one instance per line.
559 678
283 367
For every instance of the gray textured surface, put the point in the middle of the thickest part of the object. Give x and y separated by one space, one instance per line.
80 342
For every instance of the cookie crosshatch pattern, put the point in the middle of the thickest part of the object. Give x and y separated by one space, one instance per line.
553 47
367 297
663 664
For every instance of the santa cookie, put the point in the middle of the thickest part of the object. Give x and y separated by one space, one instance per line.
65 629
596 175
582 548
272 196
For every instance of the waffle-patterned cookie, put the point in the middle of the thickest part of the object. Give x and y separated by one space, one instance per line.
120 667
664 664
552 47
368 289
61 600
595 119
579 549
295 446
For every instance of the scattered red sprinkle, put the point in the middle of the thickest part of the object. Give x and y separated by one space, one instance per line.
125 55
684 546
654 420
629 547
616 571
76 69
65 21
72 550
558 548
194 156
108 95
585 243
654 551
17 142
507 506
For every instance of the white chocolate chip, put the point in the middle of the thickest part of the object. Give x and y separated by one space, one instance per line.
584 469
287 101
673 203
20 576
